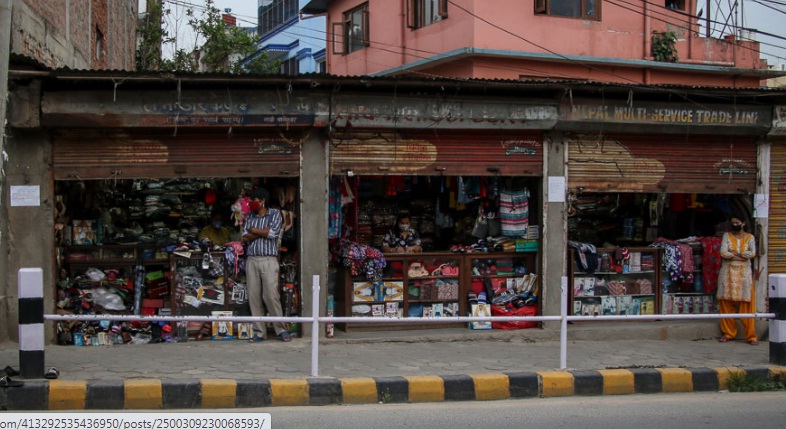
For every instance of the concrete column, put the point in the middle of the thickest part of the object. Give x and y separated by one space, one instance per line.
314 252
555 235
777 290
761 215
30 229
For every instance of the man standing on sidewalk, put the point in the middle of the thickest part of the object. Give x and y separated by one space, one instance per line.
261 232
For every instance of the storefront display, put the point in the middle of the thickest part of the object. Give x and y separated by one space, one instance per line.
476 233
676 236
133 247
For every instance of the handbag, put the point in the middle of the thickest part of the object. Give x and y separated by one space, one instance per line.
416 269
481 227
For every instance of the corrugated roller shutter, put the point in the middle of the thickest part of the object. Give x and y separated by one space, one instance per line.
776 257
101 154
709 165
435 153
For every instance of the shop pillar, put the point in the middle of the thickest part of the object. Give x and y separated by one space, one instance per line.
555 237
314 223
777 291
762 222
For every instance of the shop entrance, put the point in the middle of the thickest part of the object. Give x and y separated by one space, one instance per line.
145 233
471 203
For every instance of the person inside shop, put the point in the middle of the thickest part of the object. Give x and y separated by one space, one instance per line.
260 233
735 281
402 239
216 232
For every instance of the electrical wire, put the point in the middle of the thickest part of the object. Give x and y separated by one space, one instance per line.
399 48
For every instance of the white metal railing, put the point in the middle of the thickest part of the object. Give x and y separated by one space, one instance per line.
563 318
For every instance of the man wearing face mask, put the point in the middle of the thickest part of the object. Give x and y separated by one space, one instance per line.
261 232
402 239
215 232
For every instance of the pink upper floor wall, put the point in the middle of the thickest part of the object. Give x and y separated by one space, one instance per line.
511 28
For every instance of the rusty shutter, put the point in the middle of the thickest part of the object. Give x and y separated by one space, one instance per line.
426 153
104 154
685 164
776 258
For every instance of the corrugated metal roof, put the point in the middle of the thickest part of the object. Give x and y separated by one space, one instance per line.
21 65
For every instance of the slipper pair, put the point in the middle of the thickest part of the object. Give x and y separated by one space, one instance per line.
52 373
285 337
10 371
6 381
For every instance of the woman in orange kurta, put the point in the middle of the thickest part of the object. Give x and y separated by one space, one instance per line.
735 282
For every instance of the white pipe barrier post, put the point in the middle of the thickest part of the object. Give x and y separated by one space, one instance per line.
315 326
31 322
563 331
778 323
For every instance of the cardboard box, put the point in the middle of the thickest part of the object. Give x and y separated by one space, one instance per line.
244 330
222 331
392 291
83 232
480 310
364 292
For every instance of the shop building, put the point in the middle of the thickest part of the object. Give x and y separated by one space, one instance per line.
140 166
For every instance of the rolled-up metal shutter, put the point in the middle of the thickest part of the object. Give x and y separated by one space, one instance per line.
664 164
776 257
119 154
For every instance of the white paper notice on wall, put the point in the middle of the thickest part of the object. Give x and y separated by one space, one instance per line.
556 189
761 206
25 196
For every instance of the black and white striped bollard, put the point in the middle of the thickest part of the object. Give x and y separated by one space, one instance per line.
778 324
31 322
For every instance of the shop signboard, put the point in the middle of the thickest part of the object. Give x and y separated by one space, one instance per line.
588 115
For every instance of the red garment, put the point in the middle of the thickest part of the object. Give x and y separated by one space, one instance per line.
710 262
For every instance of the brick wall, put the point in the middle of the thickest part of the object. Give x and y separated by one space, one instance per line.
63 33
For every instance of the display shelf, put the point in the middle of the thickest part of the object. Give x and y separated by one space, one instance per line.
620 287
402 289
683 297
198 290
432 284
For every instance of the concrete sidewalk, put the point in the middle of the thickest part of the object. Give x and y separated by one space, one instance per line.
431 355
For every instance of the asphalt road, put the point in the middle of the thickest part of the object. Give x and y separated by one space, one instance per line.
694 410
690 410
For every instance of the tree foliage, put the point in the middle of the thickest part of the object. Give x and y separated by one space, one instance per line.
217 46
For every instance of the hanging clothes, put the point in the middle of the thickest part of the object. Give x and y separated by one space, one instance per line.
514 212
336 198
677 259
710 262
586 254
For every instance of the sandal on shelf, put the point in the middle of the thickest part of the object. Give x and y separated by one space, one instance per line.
285 337
6 381
753 342
256 339
52 373
10 371
724 339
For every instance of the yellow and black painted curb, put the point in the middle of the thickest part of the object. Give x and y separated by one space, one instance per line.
227 393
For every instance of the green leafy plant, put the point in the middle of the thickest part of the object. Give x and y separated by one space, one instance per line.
742 382
217 46
387 397
664 46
